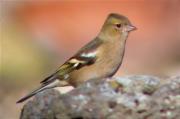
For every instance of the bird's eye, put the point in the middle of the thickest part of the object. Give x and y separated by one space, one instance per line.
118 25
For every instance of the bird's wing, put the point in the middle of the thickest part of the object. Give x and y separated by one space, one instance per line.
86 56
73 63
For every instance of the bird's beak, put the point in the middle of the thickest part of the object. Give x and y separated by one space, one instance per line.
130 28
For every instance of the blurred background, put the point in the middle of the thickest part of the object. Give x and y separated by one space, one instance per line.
36 37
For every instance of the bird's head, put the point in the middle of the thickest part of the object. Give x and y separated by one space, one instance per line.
116 24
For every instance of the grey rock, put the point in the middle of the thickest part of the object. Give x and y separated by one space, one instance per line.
129 97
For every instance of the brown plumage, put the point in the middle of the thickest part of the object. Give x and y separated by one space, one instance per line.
100 58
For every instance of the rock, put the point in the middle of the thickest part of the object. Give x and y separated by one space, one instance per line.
129 97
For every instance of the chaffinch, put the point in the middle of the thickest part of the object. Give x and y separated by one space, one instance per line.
100 58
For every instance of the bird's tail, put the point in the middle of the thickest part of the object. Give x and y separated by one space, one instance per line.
41 88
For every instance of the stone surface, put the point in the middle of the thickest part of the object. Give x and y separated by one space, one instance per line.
129 97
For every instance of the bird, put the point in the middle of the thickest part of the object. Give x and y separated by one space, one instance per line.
98 59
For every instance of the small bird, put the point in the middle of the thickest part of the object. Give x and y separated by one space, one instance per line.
100 58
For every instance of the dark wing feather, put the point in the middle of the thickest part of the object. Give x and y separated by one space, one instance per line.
76 62
64 69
